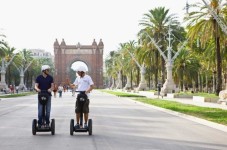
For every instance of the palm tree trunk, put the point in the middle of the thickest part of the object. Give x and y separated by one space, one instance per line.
199 82
156 69
214 81
163 70
138 76
206 83
219 68
218 58
182 80
131 80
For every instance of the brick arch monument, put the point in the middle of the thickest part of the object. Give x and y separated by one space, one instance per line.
66 55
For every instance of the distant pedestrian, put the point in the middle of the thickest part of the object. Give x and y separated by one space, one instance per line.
55 90
60 90
11 89
73 91
17 89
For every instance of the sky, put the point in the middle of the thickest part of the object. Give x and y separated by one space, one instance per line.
35 24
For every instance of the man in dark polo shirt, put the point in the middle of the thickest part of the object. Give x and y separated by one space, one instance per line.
44 83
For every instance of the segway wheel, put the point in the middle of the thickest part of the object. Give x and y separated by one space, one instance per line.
34 125
90 127
52 126
71 126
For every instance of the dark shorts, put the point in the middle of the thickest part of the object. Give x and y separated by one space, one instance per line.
82 106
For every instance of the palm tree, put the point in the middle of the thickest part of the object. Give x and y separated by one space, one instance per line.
186 68
22 62
135 63
156 24
9 52
111 68
3 45
200 24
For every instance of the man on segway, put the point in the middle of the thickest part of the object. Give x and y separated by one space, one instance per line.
44 84
84 84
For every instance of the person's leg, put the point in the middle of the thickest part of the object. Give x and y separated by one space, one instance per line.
40 111
48 109
86 111
85 118
77 118
77 111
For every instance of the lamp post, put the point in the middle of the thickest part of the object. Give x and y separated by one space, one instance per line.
216 17
142 84
3 67
3 84
169 85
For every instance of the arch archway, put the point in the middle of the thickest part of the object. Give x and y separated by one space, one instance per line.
66 55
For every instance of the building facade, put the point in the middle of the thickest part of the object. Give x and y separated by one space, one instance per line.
65 55
40 53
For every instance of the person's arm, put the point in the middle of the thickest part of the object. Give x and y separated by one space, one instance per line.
72 85
89 89
51 88
37 87
91 85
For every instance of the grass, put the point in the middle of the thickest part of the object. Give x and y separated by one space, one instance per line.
122 94
212 114
207 95
17 95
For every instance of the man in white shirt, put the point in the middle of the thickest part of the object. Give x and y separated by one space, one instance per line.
83 82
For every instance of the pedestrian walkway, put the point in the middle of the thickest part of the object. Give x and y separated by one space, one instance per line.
181 100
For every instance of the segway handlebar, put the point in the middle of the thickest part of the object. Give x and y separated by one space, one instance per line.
82 92
43 91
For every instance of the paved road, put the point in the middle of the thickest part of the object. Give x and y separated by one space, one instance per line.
118 124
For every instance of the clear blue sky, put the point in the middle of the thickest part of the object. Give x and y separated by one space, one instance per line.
37 23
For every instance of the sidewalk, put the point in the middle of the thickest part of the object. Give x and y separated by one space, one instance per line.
181 100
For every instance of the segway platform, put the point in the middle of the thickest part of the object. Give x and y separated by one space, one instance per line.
81 129
43 98
43 128
82 97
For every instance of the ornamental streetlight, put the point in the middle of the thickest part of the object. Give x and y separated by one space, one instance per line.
169 85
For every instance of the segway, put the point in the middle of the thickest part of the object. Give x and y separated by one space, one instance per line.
81 98
43 98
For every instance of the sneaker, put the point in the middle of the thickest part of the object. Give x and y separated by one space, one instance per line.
85 126
39 125
47 126
77 126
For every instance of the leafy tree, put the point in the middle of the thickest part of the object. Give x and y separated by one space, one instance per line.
201 23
